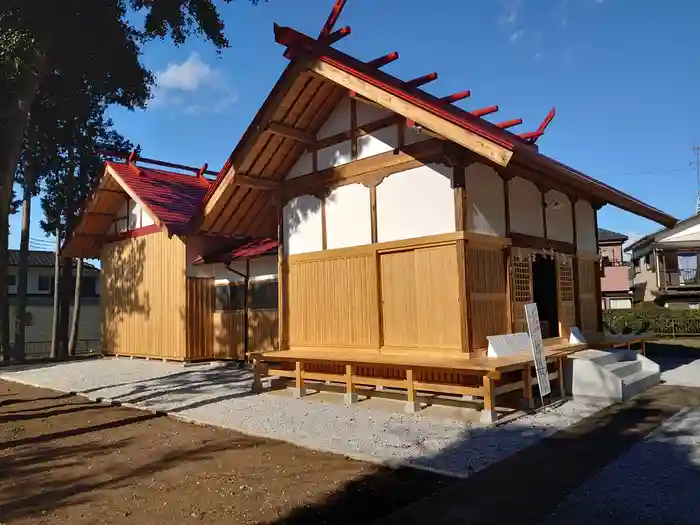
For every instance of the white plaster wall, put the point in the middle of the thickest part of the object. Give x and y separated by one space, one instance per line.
560 224
486 210
380 141
335 155
415 203
348 217
302 225
525 207
585 228
137 217
303 166
367 113
338 121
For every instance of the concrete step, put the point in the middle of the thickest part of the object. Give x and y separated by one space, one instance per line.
639 382
624 368
600 357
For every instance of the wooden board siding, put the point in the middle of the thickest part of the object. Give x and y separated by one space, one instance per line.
420 298
589 299
487 283
228 335
332 300
262 331
200 318
143 290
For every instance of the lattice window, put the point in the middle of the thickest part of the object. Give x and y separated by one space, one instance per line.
521 280
566 281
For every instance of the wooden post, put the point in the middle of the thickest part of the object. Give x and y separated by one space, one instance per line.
598 294
488 414
507 254
373 212
282 336
543 193
257 375
527 387
560 374
458 183
464 305
300 390
350 395
574 264
246 309
353 129
412 405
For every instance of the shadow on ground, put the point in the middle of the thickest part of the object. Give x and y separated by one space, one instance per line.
523 488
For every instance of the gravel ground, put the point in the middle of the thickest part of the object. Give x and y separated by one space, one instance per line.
656 482
220 395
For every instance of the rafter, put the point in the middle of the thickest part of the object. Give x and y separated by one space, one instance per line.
510 123
255 183
532 136
338 35
454 97
420 81
484 111
384 59
332 19
299 135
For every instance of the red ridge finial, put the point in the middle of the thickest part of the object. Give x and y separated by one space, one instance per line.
200 173
332 19
132 157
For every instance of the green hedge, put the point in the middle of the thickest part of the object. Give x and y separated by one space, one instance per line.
662 321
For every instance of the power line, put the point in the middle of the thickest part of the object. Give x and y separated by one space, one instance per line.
650 172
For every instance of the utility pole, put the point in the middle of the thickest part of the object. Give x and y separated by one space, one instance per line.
696 163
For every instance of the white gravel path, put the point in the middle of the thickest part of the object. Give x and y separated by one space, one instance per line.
220 395
656 482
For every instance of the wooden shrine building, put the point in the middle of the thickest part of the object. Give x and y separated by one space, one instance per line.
168 292
410 228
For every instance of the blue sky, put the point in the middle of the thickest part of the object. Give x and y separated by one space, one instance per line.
622 75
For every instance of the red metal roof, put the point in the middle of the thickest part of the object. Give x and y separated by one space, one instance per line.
245 249
174 198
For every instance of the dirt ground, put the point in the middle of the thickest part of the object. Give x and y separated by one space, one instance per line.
66 460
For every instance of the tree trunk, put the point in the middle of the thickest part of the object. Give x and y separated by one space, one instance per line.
75 321
30 176
56 273
64 297
11 132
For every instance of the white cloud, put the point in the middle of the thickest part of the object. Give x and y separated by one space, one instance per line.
516 35
192 87
187 76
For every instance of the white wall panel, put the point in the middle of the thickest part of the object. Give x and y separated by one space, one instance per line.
485 201
348 217
525 207
302 225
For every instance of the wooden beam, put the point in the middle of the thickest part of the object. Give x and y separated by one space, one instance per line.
484 111
522 240
454 97
364 129
332 19
338 35
470 140
299 135
420 81
510 123
256 183
374 167
384 59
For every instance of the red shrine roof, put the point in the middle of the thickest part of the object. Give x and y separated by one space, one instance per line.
243 249
170 197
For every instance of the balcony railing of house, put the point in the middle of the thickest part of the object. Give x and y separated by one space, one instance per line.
681 277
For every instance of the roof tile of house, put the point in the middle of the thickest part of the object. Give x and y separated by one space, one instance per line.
610 236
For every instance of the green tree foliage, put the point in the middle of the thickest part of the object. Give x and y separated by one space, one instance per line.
94 41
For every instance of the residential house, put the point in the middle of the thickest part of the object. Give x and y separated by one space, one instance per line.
167 291
665 266
615 275
40 289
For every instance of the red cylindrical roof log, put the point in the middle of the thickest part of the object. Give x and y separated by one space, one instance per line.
454 97
384 60
510 123
332 19
422 80
484 111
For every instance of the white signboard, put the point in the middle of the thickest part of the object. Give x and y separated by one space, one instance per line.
533 328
